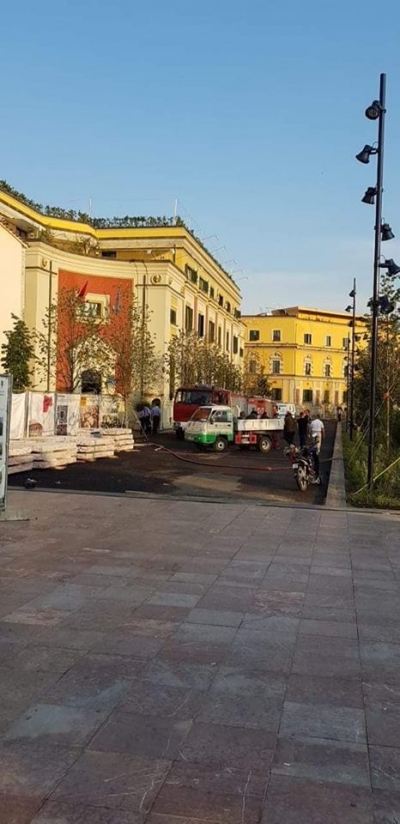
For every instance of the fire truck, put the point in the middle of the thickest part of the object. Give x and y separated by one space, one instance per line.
189 398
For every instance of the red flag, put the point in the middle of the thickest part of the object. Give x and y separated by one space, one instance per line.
82 292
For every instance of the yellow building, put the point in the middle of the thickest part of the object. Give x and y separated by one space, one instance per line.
304 352
170 270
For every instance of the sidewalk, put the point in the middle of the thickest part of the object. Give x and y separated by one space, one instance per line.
179 663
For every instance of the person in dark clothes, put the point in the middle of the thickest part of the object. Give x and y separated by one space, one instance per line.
302 425
289 429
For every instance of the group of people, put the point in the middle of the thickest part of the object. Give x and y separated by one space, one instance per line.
149 417
306 427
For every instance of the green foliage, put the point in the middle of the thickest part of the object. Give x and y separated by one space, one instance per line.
255 381
386 492
17 353
137 365
191 359
73 341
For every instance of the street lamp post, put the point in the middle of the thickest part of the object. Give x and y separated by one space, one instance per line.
376 111
351 358
375 294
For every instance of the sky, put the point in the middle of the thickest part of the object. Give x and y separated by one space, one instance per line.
249 114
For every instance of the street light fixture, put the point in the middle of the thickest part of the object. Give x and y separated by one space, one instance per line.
366 152
392 268
373 111
386 232
369 196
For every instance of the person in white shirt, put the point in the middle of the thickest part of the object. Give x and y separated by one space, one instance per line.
317 432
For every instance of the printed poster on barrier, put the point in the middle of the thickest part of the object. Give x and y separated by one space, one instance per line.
41 414
18 414
111 411
67 414
89 412
5 414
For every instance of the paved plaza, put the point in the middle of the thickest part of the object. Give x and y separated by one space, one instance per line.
178 662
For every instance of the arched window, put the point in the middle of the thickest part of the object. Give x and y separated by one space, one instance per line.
327 368
308 366
275 363
91 382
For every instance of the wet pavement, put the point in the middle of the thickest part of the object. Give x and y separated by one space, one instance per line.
179 662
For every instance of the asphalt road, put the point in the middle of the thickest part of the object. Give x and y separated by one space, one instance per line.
172 467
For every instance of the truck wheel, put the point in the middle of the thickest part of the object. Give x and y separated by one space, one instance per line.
264 444
219 444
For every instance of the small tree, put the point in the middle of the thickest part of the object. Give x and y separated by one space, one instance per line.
137 367
192 359
17 353
74 340
255 381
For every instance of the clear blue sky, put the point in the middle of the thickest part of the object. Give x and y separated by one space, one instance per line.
250 113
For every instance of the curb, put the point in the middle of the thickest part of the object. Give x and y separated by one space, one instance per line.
336 494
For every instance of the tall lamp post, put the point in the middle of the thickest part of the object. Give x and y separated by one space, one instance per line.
376 111
351 359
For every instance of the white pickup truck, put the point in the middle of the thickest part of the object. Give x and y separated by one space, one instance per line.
217 427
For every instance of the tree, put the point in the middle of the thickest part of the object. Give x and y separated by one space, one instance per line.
388 369
255 381
17 353
193 360
74 341
137 367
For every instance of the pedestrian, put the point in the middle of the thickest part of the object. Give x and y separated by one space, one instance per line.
274 434
317 432
144 415
289 428
339 413
155 416
302 426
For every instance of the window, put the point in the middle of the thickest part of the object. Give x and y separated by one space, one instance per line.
276 395
307 395
220 300
94 308
254 334
308 368
188 318
346 371
219 336
172 317
211 331
276 335
308 339
328 340
200 326
241 353
252 367
221 416
235 345
326 396
228 306
212 292
237 313
108 254
191 274
227 341
345 343
203 284
345 393
327 370
276 367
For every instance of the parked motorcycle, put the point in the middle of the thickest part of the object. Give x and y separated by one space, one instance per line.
303 465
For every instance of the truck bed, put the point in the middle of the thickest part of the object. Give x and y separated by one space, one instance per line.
259 425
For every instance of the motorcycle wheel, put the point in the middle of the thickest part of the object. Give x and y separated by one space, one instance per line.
301 479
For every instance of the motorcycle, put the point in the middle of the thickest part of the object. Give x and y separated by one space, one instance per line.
303 465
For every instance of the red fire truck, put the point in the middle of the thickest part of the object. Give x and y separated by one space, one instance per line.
188 398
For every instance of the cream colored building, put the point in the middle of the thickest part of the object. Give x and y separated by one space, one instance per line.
12 279
184 287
